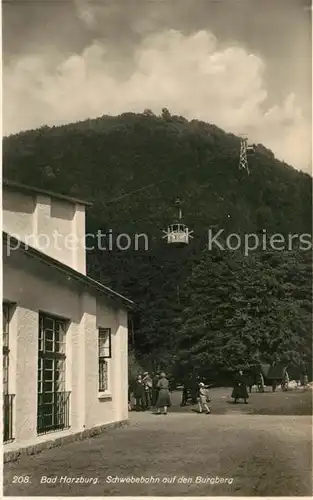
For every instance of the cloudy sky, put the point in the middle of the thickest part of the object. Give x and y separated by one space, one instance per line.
244 65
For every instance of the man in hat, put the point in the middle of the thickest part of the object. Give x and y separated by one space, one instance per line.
147 382
139 394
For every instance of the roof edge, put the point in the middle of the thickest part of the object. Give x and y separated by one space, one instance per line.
16 186
37 254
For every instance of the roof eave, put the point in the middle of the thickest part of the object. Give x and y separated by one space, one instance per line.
16 186
76 275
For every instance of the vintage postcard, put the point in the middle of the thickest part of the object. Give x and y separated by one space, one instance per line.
157 248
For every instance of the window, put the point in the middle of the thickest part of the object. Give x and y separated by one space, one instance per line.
53 400
5 348
105 351
7 398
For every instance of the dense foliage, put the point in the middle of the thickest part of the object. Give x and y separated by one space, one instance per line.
209 307
244 310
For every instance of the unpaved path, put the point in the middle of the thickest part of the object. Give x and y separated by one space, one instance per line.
263 455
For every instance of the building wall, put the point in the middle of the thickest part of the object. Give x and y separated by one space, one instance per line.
35 287
18 213
53 226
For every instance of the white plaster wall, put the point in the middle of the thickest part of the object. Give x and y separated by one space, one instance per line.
14 321
122 370
101 407
32 294
79 229
18 213
55 227
54 219
27 283
26 386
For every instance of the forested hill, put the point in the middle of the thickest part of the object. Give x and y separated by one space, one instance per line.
105 158
158 159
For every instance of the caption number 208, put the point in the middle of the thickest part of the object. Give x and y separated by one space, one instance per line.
21 479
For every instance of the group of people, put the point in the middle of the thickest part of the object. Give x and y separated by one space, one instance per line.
242 383
190 389
154 392
151 392
198 393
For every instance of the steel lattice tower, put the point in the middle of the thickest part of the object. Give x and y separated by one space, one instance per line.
243 160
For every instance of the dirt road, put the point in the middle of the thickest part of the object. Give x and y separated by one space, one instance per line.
176 455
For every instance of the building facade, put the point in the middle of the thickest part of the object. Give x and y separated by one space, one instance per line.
65 336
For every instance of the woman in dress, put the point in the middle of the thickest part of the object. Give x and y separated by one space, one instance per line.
164 399
155 390
240 388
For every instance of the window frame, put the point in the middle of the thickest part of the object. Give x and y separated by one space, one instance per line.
8 309
56 358
103 360
6 315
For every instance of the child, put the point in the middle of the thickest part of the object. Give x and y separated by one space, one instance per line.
129 398
203 399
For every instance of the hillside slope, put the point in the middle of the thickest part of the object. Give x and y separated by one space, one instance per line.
158 159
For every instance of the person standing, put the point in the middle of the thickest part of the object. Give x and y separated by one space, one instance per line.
285 381
139 393
186 387
251 380
194 389
147 382
164 399
240 388
304 376
203 399
155 389
129 397
260 382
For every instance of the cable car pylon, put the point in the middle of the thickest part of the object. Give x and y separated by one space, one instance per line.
243 158
245 149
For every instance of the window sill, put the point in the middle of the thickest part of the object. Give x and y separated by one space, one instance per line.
105 395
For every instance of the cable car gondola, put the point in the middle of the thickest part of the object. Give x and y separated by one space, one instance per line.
178 233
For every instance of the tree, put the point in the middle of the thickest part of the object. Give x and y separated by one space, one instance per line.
243 309
148 112
166 115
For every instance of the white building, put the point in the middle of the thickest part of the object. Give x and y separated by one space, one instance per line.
64 334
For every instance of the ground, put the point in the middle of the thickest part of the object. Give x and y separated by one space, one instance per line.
261 449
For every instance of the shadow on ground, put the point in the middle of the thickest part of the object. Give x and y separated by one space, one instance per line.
182 454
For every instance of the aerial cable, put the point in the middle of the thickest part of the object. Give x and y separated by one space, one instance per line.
148 217
135 191
169 179
149 186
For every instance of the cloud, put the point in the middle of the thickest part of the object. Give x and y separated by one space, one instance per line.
85 13
189 74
